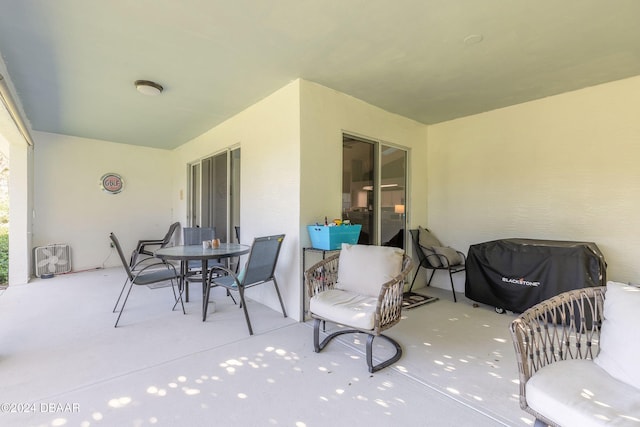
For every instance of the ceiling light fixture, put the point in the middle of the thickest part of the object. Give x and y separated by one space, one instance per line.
147 87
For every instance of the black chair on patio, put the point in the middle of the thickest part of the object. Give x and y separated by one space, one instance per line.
195 236
434 256
152 273
193 269
236 261
259 269
142 248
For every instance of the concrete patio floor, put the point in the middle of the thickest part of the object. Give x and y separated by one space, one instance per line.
62 363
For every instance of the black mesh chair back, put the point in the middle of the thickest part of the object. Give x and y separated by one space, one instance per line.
259 269
142 248
426 263
263 257
167 238
422 258
116 244
197 235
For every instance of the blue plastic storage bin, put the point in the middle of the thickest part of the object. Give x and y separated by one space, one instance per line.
332 238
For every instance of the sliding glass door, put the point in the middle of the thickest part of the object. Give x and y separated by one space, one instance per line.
393 184
374 181
214 194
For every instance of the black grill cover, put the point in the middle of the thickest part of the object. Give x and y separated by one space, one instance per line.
515 274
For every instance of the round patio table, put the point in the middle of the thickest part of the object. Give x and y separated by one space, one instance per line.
185 253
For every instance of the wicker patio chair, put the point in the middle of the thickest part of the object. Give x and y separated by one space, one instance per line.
563 327
322 278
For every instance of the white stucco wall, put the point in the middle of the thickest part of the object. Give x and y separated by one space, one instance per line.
326 115
559 168
268 134
291 173
71 208
563 167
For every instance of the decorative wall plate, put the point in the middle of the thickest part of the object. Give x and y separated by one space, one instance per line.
111 183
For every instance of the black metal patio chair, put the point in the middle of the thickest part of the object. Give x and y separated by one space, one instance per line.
434 256
160 271
259 269
143 246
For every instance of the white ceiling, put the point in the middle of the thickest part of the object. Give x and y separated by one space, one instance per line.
73 62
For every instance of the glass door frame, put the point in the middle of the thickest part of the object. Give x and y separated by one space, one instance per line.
195 188
379 146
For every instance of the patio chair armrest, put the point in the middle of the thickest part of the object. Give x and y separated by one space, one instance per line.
141 249
168 265
389 308
445 261
566 326
217 269
143 243
322 275
422 255
137 260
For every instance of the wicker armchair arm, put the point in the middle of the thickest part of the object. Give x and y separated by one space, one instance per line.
389 308
566 326
322 275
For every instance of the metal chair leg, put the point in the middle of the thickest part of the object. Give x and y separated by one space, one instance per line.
243 304
123 304
124 285
229 294
318 346
453 289
205 302
284 312
177 298
390 361
431 277
414 278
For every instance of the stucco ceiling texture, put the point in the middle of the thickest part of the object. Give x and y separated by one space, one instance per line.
73 63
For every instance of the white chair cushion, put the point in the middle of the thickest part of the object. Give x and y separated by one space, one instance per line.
580 393
620 334
363 269
345 308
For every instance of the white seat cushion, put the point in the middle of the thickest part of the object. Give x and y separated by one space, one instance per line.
364 268
346 308
580 393
620 335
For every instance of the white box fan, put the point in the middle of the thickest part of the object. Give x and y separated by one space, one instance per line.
52 259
